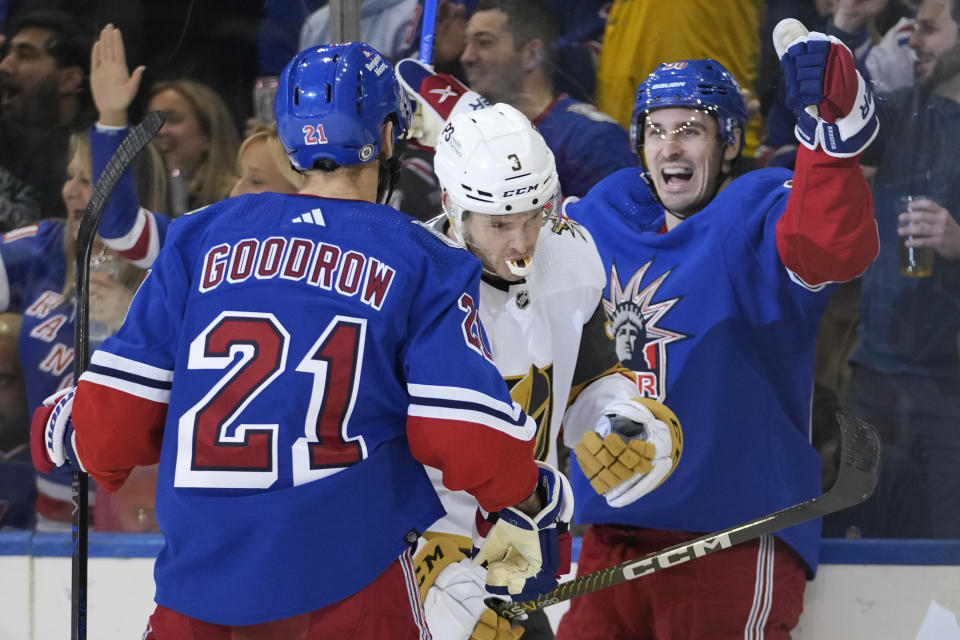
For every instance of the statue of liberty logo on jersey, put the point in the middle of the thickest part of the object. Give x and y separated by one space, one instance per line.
641 342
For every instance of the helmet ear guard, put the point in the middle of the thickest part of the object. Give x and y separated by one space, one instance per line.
331 103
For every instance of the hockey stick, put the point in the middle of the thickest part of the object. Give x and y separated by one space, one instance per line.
426 32
136 140
856 480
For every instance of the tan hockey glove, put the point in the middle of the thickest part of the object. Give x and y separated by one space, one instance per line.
635 446
453 589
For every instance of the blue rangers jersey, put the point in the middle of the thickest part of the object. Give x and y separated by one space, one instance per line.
291 361
722 331
32 275
588 145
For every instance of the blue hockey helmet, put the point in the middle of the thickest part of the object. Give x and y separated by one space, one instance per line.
696 84
332 100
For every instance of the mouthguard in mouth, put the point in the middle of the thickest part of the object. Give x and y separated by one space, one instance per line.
520 267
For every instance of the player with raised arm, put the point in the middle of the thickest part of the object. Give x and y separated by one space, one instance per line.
723 282
281 364
540 303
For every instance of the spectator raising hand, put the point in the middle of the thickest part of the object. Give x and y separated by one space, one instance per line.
112 85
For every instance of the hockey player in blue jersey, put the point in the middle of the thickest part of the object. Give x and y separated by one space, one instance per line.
292 361
716 286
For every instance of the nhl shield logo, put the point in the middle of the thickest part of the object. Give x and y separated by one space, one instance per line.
640 340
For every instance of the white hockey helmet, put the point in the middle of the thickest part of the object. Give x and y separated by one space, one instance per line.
494 162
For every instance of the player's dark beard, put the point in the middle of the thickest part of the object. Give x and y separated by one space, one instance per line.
946 67
38 106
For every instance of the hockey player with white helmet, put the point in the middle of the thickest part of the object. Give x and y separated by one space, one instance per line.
540 305
494 164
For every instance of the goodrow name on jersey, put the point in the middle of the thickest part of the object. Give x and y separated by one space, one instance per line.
319 264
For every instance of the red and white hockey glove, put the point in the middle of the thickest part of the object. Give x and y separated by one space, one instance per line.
634 447
526 555
834 106
437 96
51 433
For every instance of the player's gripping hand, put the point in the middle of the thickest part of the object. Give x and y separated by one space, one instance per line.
51 433
453 590
437 96
525 555
834 106
634 447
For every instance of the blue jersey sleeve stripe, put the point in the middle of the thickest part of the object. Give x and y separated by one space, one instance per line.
460 405
147 392
522 432
133 378
462 394
112 361
469 405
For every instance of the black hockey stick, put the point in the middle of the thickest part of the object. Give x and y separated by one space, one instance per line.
136 140
856 480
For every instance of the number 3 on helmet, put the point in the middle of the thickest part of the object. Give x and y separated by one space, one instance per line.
331 102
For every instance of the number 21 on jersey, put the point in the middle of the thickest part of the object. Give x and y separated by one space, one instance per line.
212 452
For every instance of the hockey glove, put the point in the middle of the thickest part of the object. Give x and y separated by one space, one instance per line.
526 555
634 447
51 433
834 106
453 590
437 96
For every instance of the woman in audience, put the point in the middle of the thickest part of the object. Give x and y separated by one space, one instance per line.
37 279
264 165
135 231
198 141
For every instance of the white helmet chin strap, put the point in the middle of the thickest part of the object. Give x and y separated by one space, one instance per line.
454 217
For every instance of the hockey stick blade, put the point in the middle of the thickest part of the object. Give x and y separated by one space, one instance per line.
856 479
122 158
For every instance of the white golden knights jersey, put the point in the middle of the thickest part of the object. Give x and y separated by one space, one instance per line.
550 339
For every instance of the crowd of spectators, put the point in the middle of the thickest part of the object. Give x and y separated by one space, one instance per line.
73 76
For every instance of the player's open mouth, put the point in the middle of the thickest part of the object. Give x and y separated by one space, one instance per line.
676 175
520 266
8 94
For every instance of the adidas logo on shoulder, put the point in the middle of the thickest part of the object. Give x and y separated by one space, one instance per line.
314 216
